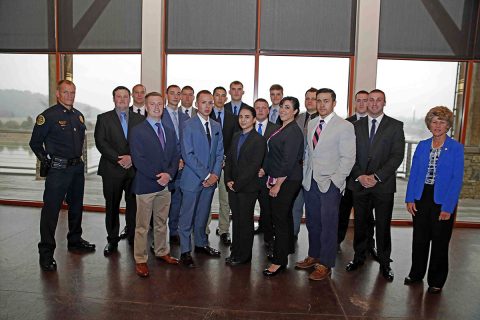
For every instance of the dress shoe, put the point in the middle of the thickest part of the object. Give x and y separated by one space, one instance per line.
408 281
81 246
354 265
321 272
306 263
168 259
141 269
109 249
187 260
387 273
374 254
124 233
434 290
234 261
175 239
208 251
225 237
268 273
217 232
48 265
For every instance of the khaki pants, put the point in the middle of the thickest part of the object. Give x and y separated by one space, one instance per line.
159 204
224 214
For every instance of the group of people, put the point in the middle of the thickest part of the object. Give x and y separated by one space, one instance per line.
167 158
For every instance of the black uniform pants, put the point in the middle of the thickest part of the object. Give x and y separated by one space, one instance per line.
265 221
61 184
242 205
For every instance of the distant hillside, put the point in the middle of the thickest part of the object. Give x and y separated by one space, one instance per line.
21 104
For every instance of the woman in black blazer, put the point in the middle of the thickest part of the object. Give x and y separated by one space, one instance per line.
283 167
243 161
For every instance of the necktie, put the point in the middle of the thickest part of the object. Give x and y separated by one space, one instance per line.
186 112
372 130
219 118
160 135
235 110
209 137
175 122
274 116
123 121
317 133
260 129
139 111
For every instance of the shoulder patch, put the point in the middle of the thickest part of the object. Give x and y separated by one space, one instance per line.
40 120
80 117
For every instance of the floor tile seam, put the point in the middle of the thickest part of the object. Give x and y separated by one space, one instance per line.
332 287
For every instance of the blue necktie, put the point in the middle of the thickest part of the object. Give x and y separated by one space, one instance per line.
175 122
219 117
274 116
372 130
235 110
260 129
123 121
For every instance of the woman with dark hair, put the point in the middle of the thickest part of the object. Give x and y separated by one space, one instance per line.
243 161
283 167
432 193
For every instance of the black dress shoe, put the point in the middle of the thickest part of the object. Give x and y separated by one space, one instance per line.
48 265
374 254
268 273
225 237
81 246
387 273
208 251
434 290
187 260
217 232
408 281
124 233
109 249
234 261
175 239
258 230
354 265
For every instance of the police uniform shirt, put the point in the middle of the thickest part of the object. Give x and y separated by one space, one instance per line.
61 131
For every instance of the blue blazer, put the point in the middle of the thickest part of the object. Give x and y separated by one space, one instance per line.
150 159
168 122
200 159
448 178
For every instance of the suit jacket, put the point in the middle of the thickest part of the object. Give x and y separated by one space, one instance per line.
382 158
448 176
352 119
285 153
111 142
229 107
271 128
200 158
230 126
146 113
334 156
244 170
151 159
300 119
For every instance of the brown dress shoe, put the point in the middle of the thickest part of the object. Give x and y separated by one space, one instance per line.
141 269
168 259
308 262
321 272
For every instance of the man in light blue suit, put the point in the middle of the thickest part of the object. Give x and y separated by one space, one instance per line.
202 152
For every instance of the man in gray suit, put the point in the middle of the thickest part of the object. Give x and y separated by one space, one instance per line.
329 157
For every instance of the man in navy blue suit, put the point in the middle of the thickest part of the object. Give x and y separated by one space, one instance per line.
202 152
173 118
155 153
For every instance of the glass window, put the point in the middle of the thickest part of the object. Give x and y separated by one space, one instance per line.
297 74
210 71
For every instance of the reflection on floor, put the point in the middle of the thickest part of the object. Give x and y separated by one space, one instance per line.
94 287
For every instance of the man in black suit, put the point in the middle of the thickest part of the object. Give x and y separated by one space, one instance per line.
346 203
115 167
229 124
138 94
380 145
266 129
276 95
236 93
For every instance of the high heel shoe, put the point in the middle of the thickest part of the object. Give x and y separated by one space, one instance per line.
268 273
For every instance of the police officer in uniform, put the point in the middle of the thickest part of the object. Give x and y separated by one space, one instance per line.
57 141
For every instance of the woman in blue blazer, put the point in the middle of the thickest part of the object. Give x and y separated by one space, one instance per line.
432 193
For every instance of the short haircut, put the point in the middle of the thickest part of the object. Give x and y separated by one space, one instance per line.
379 91
328 90
139 85
260 100
120 88
294 101
276 87
251 109
188 88
64 81
219 88
153 94
202 92
360 92
236 82
443 113
172 86
312 89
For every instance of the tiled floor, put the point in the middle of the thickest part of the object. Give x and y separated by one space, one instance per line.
94 287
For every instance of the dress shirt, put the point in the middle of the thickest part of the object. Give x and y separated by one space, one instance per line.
326 119
264 126
183 109
142 109
379 119
222 114
236 107
153 122
360 116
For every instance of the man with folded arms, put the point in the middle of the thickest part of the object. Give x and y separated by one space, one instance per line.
155 153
